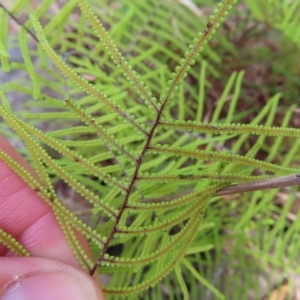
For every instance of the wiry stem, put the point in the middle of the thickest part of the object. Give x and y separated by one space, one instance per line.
265 184
128 192
19 22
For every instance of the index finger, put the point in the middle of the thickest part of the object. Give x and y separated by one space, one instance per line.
27 217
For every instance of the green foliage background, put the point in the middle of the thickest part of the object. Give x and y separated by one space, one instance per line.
247 74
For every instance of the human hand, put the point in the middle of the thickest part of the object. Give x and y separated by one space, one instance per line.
53 272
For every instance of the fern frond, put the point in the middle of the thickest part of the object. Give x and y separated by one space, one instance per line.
50 162
201 279
181 282
61 18
4 55
12 244
193 52
28 62
177 201
149 200
85 85
162 272
224 157
188 178
230 128
89 120
64 216
117 57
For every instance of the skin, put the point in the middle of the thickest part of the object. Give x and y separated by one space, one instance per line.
30 220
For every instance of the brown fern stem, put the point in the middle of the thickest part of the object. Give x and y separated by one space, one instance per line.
19 22
128 192
265 184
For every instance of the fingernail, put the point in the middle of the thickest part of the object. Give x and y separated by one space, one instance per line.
49 286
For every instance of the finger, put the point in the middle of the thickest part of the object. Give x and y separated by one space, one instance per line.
9 149
27 217
39 278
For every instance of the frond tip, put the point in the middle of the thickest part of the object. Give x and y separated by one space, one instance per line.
194 49
220 157
117 57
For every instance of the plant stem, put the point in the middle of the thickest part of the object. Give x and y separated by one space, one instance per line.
273 183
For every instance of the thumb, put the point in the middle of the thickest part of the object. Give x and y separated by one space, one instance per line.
33 278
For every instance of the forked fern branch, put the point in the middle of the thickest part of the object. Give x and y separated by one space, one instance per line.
148 177
216 19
